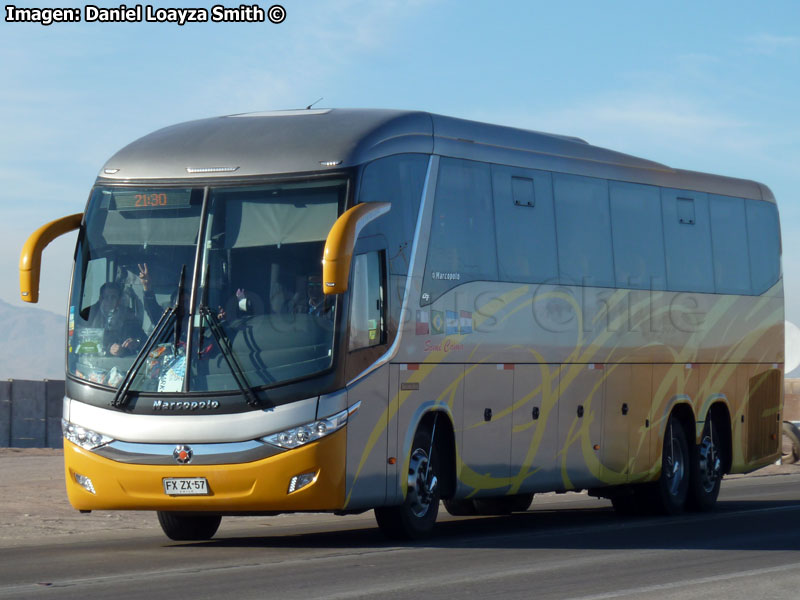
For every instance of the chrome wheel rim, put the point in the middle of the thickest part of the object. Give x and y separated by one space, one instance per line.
710 465
675 465
421 483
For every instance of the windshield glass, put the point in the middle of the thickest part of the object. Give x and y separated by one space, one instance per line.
259 317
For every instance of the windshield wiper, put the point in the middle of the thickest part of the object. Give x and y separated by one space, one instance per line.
171 312
179 311
226 349
121 397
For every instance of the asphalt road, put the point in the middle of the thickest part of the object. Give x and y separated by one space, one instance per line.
566 546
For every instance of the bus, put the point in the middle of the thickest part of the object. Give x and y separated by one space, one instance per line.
334 310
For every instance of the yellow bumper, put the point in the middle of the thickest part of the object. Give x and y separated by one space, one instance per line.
256 486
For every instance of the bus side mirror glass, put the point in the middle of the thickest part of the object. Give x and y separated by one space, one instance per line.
338 253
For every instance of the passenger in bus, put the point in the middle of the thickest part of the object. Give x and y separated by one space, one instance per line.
122 334
154 310
151 306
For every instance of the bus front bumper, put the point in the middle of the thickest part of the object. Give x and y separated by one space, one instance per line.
258 486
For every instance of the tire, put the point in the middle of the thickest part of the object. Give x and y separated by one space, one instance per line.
182 527
502 505
672 488
460 508
416 517
790 443
707 470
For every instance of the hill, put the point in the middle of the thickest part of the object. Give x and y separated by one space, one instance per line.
31 343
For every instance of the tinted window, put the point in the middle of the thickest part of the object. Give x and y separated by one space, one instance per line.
728 235
462 242
397 179
638 239
584 230
526 233
687 240
763 239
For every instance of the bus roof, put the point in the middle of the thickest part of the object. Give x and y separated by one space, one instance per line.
316 140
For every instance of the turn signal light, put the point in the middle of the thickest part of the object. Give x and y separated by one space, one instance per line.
298 482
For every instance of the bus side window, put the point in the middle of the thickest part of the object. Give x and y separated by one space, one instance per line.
366 302
687 240
764 242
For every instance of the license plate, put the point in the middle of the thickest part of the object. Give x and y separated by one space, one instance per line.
186 486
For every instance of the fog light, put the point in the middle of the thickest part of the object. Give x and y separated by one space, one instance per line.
85 483
298 482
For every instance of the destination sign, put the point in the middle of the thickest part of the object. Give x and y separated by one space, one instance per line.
149 199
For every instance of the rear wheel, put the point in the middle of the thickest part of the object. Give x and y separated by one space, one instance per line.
790 445
415 518
182 527
672 487
706 476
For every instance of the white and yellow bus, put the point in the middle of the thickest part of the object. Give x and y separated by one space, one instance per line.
344 310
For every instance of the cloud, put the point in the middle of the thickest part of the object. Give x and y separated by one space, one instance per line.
766 43
634 120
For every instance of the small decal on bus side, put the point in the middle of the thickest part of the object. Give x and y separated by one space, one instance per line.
446 276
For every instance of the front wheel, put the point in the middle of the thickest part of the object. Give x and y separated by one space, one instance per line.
415 518
183 527
672 487
706 476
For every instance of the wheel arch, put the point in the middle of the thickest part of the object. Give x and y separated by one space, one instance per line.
681 409
719 413
444 441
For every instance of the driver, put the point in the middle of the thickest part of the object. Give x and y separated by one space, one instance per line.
122 334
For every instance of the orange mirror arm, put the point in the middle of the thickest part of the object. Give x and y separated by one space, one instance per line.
30 260
342 240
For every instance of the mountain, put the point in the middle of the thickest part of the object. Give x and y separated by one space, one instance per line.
31 343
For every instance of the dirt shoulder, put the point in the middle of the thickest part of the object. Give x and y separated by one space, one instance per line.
35 505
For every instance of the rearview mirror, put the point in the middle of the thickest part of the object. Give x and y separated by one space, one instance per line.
30 260
341 241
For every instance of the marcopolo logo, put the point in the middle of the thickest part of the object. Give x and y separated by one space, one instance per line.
183 454
185 405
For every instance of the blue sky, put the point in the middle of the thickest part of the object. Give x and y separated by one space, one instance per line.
710 86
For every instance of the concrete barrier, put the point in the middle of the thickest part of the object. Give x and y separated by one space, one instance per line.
30 413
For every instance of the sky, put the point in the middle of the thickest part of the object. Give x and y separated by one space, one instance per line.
708 86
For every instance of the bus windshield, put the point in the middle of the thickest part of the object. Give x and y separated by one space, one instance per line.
251 313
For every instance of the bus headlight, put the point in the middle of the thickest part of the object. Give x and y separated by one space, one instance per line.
304 434
85 438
